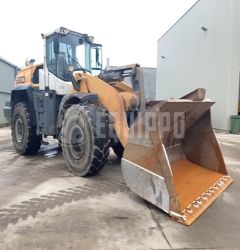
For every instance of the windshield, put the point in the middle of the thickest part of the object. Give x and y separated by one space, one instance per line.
72 50
77 51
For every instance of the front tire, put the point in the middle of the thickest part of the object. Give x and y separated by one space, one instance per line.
85 141
118 150
25 139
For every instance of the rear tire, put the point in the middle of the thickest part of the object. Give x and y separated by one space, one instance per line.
85 141
25 139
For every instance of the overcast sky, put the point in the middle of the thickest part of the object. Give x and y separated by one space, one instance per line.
128 29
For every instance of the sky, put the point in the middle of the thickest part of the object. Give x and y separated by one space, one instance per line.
127 29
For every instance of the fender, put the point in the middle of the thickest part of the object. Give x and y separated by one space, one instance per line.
24 93
71 99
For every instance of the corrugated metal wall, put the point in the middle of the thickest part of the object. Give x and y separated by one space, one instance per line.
7 77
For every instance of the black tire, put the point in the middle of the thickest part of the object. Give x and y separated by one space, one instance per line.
85 144
118 150
25 139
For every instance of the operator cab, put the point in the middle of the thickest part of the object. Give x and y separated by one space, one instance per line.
67 51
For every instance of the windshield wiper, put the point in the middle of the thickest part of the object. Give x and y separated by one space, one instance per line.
75 60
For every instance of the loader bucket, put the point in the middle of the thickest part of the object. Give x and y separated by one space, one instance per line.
173 159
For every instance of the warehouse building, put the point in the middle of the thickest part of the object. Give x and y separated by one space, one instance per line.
203 50
8 72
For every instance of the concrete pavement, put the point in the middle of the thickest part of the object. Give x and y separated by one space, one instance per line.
43 206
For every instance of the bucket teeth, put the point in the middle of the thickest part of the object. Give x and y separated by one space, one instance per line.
189 210
204 197
179 217
201 203
210 190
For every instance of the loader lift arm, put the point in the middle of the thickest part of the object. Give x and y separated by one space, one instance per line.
134 72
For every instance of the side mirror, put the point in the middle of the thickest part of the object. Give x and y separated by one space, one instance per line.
56 45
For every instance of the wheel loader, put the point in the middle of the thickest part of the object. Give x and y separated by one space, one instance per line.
170 156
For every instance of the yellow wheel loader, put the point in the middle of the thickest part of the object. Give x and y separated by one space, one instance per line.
170 156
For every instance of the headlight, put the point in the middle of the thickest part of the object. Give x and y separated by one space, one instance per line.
70 68
63 30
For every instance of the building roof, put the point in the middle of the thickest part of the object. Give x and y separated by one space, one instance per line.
9 63
178 20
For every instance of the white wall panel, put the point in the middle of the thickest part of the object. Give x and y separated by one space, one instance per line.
194 58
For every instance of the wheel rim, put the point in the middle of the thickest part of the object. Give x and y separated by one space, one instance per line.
77 142
19 130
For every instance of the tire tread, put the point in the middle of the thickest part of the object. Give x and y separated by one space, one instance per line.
33 143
